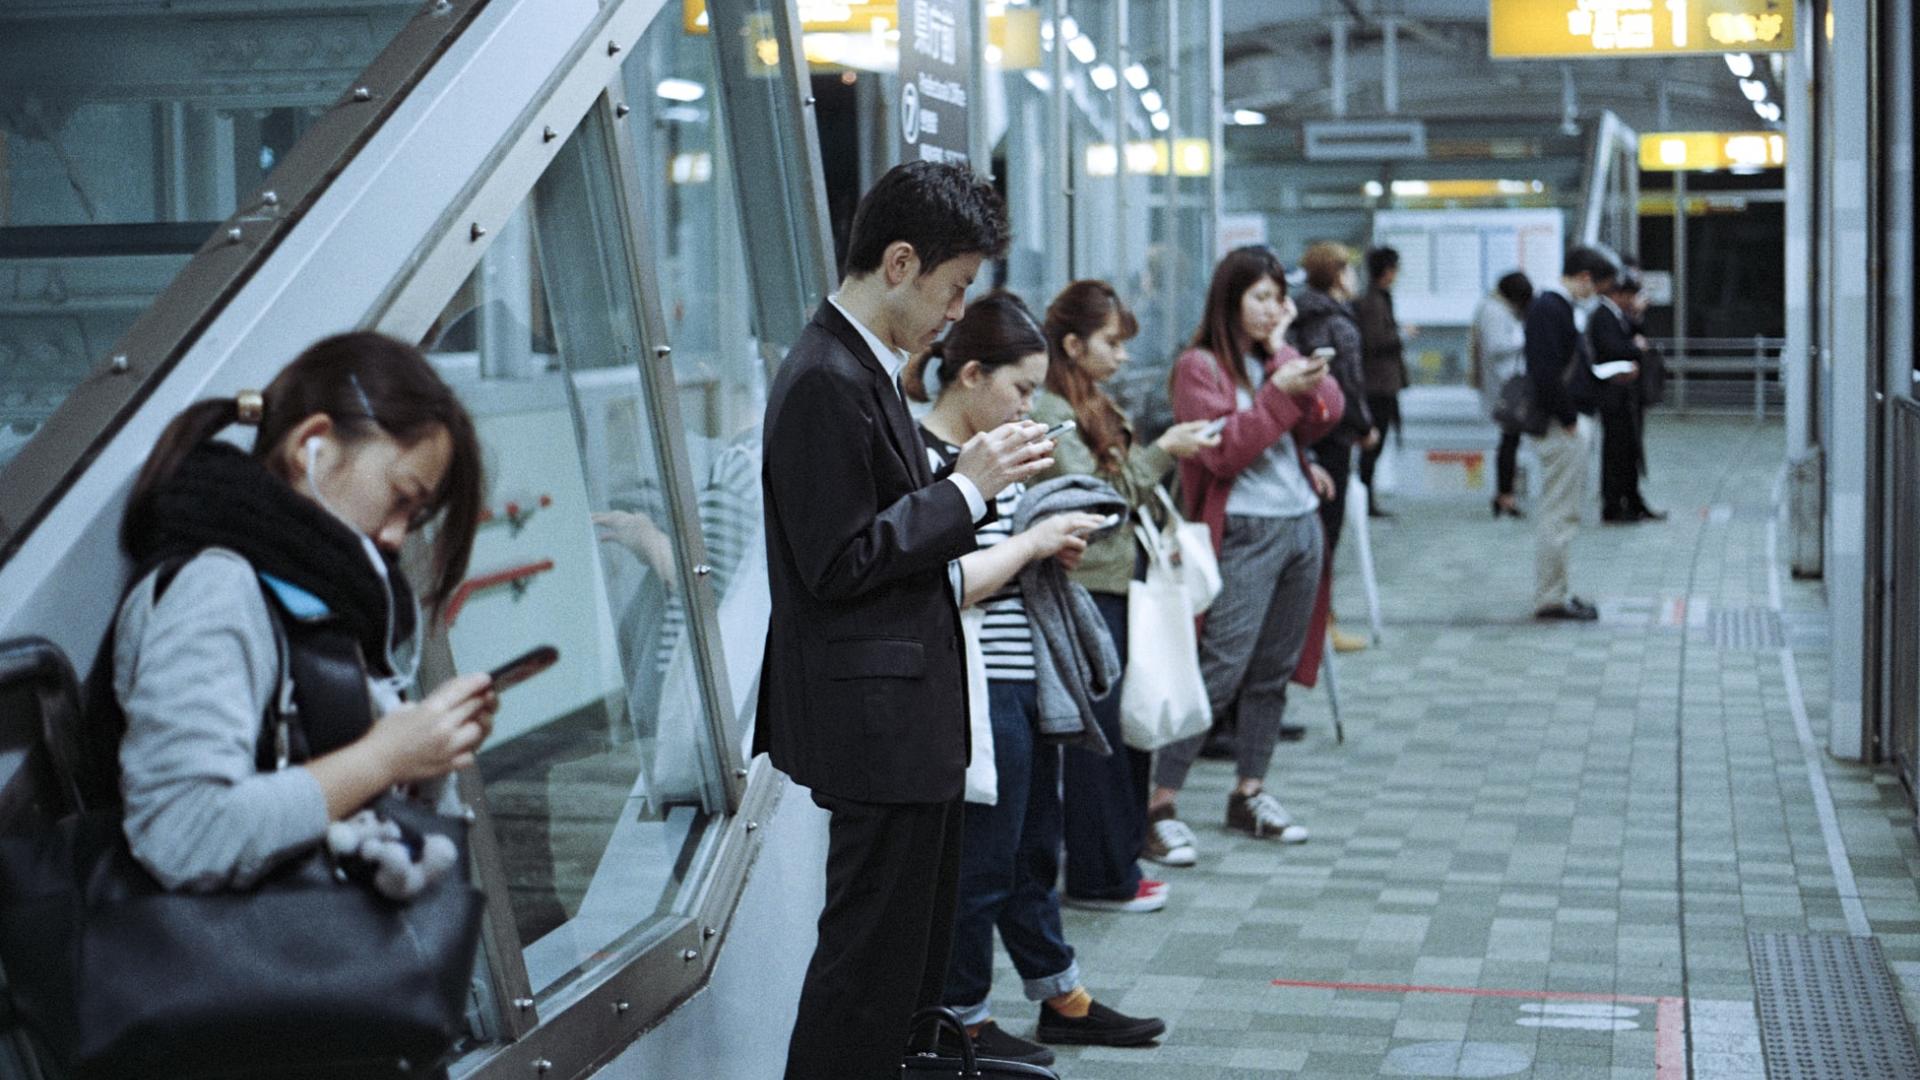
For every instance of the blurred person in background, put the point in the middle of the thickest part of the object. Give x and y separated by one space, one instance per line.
1497 348
1614 334
1556 340
1384 360
1326 321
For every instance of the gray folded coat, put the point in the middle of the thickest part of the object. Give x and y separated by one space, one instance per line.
1074 660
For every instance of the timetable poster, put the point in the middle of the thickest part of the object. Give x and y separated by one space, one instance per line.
1449 259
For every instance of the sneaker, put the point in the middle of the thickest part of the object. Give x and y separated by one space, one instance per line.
1169 841
1261 815
1151 896
1100 1027
992 1041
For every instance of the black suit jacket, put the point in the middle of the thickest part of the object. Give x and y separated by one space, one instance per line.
863 692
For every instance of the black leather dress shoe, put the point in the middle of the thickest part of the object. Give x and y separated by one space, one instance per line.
1292 732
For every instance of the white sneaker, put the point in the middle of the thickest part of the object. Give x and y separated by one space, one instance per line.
1171 843
1261 815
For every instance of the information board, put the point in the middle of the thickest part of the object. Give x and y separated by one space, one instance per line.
1537 29
935 48
1449 259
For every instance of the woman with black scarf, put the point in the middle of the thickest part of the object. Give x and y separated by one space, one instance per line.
359 443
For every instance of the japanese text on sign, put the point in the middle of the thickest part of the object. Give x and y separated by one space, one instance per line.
1530 29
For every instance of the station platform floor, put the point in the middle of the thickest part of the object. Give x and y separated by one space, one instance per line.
1542 847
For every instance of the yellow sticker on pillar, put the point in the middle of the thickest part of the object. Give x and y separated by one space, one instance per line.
1537 29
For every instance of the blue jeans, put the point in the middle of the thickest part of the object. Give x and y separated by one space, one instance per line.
1106 797
1009 860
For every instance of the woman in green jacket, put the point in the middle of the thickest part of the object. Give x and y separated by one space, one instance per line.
1087 328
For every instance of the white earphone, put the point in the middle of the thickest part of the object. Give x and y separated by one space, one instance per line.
312 446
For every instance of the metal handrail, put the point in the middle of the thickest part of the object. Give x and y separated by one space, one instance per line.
1722 360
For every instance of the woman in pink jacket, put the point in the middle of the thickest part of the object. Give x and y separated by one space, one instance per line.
1260 495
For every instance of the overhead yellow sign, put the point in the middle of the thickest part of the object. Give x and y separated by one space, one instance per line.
1693 151
1153 157
1536 29
827 15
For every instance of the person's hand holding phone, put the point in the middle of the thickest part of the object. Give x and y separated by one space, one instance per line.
1061 536
1185 440
432 737
1013 452
1300 375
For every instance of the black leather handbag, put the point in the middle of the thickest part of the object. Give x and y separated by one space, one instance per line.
1517 409
929 1064
304 974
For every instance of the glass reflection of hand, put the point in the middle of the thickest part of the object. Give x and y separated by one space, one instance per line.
638 534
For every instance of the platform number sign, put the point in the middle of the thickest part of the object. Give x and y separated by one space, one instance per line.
935 49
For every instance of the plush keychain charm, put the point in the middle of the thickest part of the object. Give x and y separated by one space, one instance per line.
400 864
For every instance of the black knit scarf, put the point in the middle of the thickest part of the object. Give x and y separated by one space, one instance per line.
221 497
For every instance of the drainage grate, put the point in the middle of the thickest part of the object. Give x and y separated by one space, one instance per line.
1746 629
1829 1009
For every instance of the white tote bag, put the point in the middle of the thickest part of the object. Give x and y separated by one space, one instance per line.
1162 698
1188 549
983 780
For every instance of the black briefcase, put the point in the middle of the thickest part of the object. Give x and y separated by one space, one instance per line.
928 1064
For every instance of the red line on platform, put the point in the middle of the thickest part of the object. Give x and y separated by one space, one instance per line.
1670 1039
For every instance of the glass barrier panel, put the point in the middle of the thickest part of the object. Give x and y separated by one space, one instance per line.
123 141
684 164
601 778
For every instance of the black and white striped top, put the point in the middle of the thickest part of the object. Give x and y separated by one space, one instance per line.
1006 639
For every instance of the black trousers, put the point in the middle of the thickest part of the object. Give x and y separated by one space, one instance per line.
1336 456
1621 454
1385 409
893 875
1507 461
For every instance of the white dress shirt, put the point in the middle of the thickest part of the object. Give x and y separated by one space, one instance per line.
893 360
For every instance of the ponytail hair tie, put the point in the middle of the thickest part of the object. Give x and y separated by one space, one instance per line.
249 407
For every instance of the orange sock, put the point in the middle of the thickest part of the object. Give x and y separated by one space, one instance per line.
974 1029
1073 1004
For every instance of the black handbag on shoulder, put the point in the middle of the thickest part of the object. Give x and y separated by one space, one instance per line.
304 974
1517 409
929 1064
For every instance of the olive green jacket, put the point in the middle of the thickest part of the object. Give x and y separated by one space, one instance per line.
1108 564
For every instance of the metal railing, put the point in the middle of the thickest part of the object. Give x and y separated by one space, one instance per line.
1723 375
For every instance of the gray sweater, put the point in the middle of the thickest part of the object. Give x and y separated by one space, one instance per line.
194 674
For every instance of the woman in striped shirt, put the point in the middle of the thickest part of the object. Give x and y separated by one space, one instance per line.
988 367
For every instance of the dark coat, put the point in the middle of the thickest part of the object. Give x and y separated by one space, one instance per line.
863 691
1326 322
1382 354
1553 342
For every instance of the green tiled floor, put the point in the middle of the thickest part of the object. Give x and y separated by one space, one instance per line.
1585 819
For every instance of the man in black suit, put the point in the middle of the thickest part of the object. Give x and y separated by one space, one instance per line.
1614 335
863 693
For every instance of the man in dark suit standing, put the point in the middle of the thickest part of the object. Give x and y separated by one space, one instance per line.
1614 335
863 692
